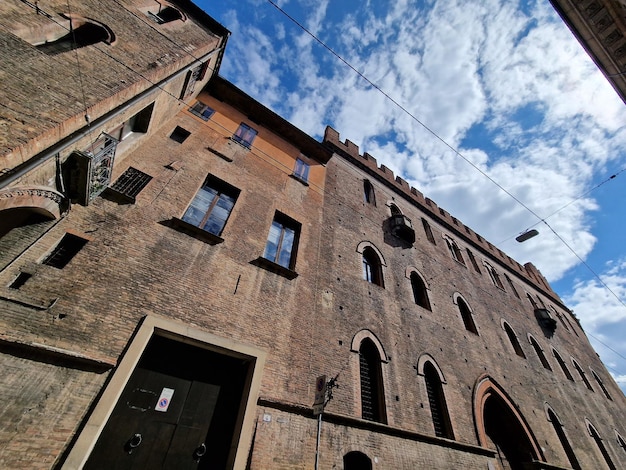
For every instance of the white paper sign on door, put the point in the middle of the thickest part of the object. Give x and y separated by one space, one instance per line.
164 399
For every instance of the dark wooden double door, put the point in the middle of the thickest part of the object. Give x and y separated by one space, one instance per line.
179 410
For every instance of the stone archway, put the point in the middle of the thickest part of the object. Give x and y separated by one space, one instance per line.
500 426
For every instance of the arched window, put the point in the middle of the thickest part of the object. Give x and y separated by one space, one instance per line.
495 277
558 429
372 267
395 210
539 352
561 362
620 441
428 231
76 33
420 293
598 440
511 285
513 339
466 315
454 250
531 300
356 461
581 372
372 396
437 402
601 384
368 193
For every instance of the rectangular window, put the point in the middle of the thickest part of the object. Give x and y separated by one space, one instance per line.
202 111
179 134
65 250
470 255
301 170
138 124
212 205
282 241
194 75
130 183
245 135
428 231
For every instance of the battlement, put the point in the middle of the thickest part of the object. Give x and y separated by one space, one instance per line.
350 150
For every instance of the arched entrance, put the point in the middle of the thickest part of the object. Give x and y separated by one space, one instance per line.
500 426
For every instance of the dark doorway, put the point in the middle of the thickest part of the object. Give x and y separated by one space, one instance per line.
181 408
505 431
356 461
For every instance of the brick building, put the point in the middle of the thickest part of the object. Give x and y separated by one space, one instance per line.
180 267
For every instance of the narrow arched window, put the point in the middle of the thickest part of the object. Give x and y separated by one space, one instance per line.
372 396
466 315
540 354
454 250
531 300
581 372
495 277
562 364
620 441
420 293
513 340
428 231
598 440
511 285
558 429
601 384
372 267
356 461
79 32
395 210
437 402
368 193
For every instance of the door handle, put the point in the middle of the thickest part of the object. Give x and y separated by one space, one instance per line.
133 443
199 452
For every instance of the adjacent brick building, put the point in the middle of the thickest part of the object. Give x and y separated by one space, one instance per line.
178 269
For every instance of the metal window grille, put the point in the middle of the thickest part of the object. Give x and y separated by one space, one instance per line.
131 182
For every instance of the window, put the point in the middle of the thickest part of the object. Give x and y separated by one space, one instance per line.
301 170
437 402
65 250
372 267
372 397
211 205
511 285
245 135
596 437
20 280
454 250
495 277
166 15
560 432
179 134
428 231
531 300
130 183
620 441
420 293
472 259
562 364
282 241
395 210
138 124
77 32
368 193
601 384
466 315
193 76
202 111
513 339
581 372
539 352
356 461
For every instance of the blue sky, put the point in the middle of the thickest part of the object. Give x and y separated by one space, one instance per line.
505 83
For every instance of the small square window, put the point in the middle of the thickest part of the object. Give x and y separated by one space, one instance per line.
202 111
65 250
180 135
130 183
301 170
20 280
245 135
138 124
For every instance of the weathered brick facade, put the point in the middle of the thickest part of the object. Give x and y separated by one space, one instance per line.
73 338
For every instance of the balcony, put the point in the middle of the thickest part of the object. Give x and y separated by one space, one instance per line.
545 320
401 227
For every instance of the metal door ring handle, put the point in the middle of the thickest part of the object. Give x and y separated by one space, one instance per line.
200 451
134 441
